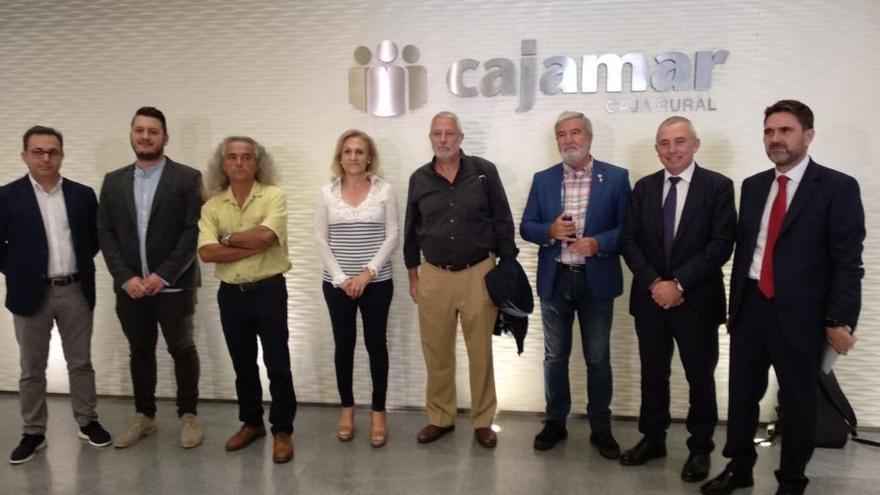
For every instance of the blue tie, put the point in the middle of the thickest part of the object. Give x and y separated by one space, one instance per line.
669 218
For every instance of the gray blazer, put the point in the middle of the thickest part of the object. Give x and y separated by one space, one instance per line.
172 232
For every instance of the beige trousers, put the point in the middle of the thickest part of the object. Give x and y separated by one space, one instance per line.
444 297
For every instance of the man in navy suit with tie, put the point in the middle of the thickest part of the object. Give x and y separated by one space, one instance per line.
795 290
48 242
575 212
679 233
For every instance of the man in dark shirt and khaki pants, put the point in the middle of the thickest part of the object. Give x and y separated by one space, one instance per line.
458 217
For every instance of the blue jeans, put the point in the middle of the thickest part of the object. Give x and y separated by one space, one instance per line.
572 295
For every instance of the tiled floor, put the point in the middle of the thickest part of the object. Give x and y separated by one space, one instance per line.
453 465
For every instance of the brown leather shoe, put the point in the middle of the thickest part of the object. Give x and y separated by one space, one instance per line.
433 432
245 436
282 448
486 437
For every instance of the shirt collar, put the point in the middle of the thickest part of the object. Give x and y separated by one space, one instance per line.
150 172
570 171
38 187
686 175
797 172
256 191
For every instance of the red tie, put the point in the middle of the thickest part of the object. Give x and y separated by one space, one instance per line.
777 215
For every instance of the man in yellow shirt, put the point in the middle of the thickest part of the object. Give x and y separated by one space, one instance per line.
243 229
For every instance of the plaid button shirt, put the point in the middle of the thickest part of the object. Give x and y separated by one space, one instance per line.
575 198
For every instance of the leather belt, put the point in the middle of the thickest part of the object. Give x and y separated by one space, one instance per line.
570 268
458 268
252 286
63 280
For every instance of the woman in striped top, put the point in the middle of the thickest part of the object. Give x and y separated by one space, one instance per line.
356 228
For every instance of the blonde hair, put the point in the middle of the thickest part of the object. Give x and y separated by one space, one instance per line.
336 170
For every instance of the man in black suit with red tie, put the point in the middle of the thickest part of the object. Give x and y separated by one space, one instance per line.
795 289
679 233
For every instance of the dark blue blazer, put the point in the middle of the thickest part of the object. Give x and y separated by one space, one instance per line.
24 250
817 261
606 213
702 244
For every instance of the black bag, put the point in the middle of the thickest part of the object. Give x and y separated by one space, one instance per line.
835 418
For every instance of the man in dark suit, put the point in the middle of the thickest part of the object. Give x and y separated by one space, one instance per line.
575 212
147 228
679 232
795 290
47 245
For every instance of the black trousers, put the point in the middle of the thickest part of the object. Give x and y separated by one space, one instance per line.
141 319
254 311
374 304
756 343
698 350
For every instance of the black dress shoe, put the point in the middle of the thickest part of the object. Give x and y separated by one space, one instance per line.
696 468
726 482
553 433
606 444
643 452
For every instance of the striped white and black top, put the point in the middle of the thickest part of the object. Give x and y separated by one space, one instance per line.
351 238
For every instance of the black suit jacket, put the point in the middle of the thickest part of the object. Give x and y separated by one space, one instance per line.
24 249
817 261
172 232
703 243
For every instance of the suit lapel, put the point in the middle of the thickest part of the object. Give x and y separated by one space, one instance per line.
127 190
555 192
165 180
691 203
653 203
806 190
753 205
597 191
32 209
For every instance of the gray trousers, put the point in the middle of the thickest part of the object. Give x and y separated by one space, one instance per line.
66 306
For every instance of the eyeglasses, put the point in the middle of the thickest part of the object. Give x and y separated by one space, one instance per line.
52 154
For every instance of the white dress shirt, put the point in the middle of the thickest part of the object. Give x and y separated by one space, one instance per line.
62 259
681 190
795 176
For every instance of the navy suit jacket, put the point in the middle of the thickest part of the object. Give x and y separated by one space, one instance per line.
606 212
24 249
817 261
702 244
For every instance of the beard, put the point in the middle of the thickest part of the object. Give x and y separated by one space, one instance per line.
149 155
572 157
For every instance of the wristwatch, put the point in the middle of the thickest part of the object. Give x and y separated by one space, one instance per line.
225 239
372 272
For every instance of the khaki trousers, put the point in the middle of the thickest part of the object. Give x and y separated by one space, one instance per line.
444 297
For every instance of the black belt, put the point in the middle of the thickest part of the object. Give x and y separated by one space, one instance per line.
251 286
458 268
62 281
570 268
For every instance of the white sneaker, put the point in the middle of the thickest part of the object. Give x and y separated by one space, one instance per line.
139 428
190 431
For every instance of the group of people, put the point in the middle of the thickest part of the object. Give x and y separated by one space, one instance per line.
795 283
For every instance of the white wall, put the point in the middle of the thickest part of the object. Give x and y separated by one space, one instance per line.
278 71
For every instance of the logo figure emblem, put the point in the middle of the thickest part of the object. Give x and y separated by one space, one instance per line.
387 90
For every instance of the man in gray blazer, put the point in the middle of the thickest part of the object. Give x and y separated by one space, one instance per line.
147 229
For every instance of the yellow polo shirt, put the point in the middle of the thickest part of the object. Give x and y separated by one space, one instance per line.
221 215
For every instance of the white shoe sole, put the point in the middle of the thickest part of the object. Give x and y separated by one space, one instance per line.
93 444
39 448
